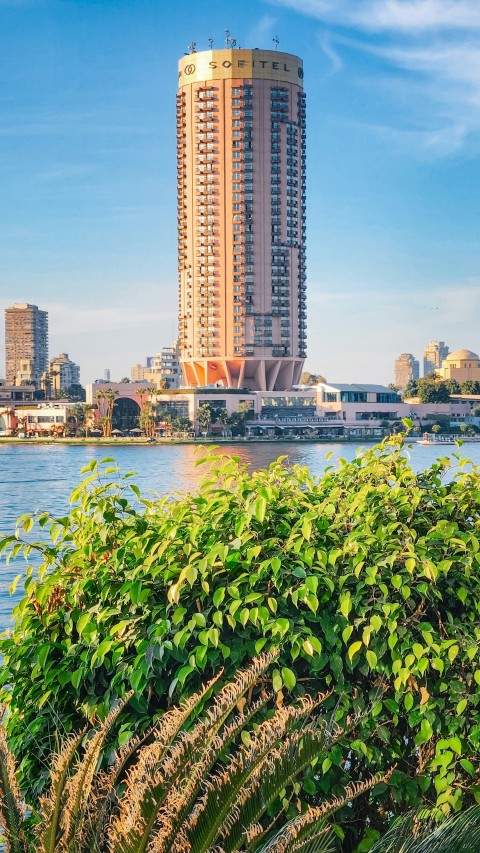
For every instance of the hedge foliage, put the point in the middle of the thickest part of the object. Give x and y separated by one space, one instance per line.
368 580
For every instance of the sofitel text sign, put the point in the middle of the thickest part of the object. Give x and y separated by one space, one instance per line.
222 64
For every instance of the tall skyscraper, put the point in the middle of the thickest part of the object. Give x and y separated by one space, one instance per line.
26 344
407 369
241 218
433 355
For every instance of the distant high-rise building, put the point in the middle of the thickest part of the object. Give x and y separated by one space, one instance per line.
165 366
60 375
137 372
26 344
407 369
241 214
106 375
433 355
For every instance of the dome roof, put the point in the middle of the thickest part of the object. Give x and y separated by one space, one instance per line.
462 355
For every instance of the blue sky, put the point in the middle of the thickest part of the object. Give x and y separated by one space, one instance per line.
87 170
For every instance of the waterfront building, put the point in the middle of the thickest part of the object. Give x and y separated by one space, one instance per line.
26 344
407 369
60 375
327 410
42 419
129 398
15 393
354 403
462 365
165 369
241 218
433 355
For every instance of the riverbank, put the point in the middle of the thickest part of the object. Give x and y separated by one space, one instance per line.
130 442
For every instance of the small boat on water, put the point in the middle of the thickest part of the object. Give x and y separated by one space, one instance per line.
433 438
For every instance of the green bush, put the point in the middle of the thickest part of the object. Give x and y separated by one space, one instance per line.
367 579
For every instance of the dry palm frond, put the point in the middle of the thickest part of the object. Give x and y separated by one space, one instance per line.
162 788
64 809
52 804
239 795
433 833
163 735
300 831
205 819
201 781
11 807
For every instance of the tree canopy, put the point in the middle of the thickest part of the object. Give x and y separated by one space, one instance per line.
308 378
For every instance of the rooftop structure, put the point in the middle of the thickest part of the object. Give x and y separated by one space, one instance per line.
462 365
241 218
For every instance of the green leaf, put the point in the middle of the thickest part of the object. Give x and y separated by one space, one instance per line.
14 584
345 603
218 596
289 678
425 732
452 653
277 681
259 509
353 649
468 767
76 678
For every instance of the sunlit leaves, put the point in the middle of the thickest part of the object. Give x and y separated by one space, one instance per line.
368 581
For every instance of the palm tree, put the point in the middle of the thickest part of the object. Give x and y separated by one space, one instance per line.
433 833
76 416
105 400
89 412
204 417
224 419
148 411
204 779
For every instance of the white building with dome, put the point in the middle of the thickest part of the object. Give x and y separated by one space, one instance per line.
463 364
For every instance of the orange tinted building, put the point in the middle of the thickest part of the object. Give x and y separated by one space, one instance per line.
241 218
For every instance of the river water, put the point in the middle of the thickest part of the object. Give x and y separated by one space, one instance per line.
41 477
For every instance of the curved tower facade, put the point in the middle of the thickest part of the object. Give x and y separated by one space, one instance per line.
241 218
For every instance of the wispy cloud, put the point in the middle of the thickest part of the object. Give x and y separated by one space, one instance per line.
429 55
393 15
262 33
335 60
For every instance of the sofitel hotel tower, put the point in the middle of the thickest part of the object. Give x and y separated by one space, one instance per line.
241 217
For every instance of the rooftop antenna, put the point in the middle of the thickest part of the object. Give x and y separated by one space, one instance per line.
210 43
276 42
233 42
192 47
227 38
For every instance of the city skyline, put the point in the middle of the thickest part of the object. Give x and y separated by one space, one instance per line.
89 221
